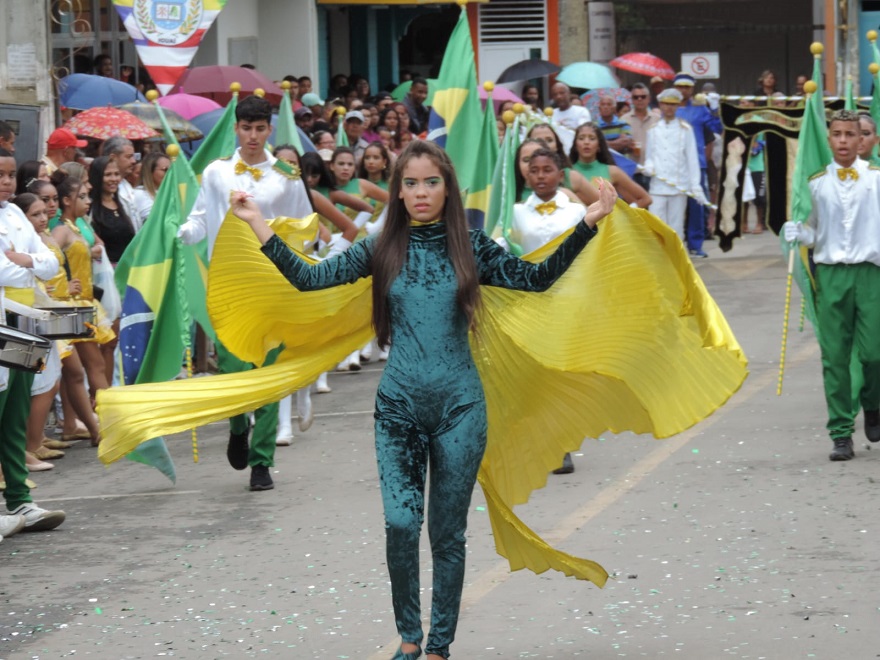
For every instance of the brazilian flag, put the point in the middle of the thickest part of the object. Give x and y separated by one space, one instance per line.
456 118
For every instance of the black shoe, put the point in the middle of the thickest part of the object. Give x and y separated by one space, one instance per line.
260 478
567 466
843 450
237 449
872 425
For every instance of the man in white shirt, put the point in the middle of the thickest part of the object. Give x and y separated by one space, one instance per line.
564 112
279 191
844 231
23 258
672 162
122 151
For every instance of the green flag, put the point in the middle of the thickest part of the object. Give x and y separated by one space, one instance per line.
476 203
285 130
456 117
813 156
161 278
220 142
503 195
341 137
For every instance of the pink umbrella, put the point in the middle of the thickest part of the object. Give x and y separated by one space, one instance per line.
188 105
499 95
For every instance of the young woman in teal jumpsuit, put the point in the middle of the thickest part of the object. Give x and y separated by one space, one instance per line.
430 407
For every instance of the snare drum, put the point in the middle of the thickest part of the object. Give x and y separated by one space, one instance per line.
20 350
66 323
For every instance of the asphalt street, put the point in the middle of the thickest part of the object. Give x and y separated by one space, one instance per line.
735 539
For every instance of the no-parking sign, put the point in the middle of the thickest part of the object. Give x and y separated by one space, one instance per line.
701 65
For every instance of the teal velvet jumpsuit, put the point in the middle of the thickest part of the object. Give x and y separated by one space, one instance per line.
430 406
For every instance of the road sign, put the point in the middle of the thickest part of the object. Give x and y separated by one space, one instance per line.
701 65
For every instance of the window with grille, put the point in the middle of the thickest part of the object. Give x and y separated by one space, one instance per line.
512 21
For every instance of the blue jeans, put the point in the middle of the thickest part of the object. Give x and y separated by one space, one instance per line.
695 230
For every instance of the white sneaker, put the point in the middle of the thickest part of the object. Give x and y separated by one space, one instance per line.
304 409
383 355
284 438
367 352
10 524
321 385
37 519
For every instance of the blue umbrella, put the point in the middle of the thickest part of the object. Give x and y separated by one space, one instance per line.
587 75
205 122
82 91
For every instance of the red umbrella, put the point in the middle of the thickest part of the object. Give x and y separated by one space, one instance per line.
103 123
213 82
645 64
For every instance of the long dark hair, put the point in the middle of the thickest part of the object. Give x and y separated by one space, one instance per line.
603 154
362 168
311 163
390 250
27 173
559 148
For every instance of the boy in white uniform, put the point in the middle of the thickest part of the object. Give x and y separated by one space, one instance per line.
672 162
844 230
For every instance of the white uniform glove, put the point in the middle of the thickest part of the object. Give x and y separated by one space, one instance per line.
362 218
185 234
376 227
700 197
713 99
796 231
338 245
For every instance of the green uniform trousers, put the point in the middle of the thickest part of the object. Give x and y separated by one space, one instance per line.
15 407
848 310
262 442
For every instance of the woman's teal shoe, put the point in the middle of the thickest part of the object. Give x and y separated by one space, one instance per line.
400 655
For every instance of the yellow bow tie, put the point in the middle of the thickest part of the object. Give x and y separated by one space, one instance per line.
546 208
844 172
241 167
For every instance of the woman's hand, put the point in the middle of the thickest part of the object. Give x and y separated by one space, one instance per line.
95 251
74 287
599 209
245 208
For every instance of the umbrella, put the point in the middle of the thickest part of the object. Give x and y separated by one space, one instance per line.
526 70
184 130
645 64
499 96
591 98
587 75
188 105
103 123
82 91
213 82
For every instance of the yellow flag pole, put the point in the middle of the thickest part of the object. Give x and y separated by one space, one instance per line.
791 256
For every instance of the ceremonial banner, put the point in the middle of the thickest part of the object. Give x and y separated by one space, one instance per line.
167 33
